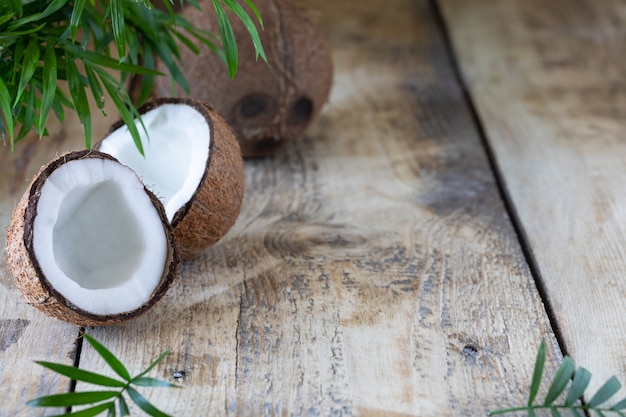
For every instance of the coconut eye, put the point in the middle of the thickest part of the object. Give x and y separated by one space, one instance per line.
252 105
301 111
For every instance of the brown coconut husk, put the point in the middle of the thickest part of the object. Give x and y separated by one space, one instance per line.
265 105
215 206
32 282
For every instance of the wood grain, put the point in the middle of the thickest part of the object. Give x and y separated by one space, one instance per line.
548 83
373 270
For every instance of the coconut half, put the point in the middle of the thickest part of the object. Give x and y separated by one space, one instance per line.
192 162
89 244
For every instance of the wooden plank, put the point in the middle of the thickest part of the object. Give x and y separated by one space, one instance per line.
26 335
548 82
373 270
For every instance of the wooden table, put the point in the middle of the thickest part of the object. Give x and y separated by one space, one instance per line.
461 198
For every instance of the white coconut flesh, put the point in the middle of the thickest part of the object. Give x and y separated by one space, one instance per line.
98 238
176 150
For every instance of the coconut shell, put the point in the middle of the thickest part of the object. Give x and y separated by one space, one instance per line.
27 273
265 105
216 203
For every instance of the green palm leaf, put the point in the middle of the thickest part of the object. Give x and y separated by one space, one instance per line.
562 377
249 25
54 6
144 404
575 412
123 407
49 87
16 6
91 411
107 62
228 39
96 86
79 97
27 115
6 18
606 391
109 358
5 108
77 13
155 363
73 398
81 375
537 373
579 385
29 64
118 24
255 11
122 100
145 381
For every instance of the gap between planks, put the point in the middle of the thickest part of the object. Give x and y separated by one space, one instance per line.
509 206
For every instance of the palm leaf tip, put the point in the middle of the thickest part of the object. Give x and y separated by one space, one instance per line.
537 373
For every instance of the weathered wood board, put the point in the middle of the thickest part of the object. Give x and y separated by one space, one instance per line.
548 82
373 271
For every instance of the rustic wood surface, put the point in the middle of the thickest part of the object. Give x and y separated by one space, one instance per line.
374 269
548 83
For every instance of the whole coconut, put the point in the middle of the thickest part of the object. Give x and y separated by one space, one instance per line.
266 104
